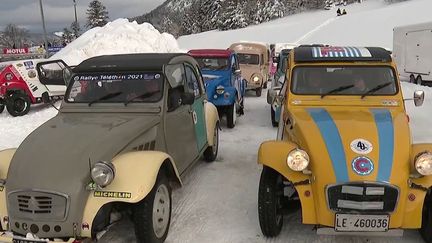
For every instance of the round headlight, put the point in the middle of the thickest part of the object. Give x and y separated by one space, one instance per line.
220 89
298 160
423 163
256 79
103 173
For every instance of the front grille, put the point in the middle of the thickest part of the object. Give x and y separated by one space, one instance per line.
362 197
37 205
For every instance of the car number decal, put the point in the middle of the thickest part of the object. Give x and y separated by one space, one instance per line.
195 119
361 146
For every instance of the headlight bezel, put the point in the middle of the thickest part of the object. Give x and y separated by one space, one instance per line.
426 159
220 89
105 166
298 166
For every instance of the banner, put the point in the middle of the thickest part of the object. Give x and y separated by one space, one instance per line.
15 51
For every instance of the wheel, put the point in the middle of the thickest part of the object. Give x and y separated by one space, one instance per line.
1 108
273 117
211 152
270 197
419 80
152 216
231 116
18 104
426 227
258 92
412 79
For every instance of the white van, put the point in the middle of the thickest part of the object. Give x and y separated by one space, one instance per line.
412 51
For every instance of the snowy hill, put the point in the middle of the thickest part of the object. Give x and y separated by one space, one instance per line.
370 23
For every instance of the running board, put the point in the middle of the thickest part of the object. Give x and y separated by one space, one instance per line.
331 231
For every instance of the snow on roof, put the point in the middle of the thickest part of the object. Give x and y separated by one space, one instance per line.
117 37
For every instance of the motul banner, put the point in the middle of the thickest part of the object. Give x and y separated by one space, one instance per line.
15 51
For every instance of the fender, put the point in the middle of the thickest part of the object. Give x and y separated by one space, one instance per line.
5 159
273 154
211 118
417 187
136 174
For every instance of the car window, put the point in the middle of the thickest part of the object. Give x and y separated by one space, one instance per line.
320 80
175 73
192 82
213 63
252 59
116 87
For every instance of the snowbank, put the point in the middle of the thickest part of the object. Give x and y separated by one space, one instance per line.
117 37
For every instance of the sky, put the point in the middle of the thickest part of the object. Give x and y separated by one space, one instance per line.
60 13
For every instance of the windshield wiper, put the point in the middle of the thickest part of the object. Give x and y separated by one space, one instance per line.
105 97
143 95
338 89
378 87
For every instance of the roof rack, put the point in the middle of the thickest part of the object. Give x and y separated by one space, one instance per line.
313 53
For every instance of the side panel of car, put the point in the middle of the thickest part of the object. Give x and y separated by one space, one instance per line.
273 154
5 159
130 185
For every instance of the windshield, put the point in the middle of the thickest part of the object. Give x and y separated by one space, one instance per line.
344 80
252 59
115 88
213 63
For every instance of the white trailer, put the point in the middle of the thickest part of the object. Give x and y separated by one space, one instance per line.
412 51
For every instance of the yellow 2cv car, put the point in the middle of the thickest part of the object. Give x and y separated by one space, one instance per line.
344 148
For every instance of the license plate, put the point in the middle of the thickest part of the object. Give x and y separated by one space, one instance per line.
361 223
24 240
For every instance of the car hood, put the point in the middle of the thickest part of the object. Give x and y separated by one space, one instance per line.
56 157
331 137
214 79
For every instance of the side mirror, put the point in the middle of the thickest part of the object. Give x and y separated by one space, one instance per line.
187 98
419 97
46 98
237 71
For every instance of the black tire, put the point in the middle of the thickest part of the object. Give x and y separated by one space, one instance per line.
273 117
270 198
419 80
230 115
2 108
426 227
18 104
258 92
412 79
142 213
210 154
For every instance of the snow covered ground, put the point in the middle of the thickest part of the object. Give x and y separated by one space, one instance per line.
218 202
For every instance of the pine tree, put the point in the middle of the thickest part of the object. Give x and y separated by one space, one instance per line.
234 16
75 27
97 15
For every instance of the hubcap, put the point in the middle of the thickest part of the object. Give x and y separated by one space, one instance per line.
20 105
161 211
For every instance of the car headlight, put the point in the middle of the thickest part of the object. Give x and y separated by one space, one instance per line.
220 89
298 160
103 173
423 163
256 79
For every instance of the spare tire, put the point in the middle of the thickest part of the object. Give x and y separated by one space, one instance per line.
18 104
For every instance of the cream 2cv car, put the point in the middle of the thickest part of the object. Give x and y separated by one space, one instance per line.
129 127
254 59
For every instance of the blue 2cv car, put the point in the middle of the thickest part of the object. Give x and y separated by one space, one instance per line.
224 86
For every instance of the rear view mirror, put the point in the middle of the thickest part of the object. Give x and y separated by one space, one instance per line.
187 98
418 97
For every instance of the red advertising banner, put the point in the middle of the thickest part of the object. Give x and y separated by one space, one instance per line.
15 51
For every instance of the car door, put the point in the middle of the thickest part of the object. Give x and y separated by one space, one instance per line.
51 75
194 86
179 123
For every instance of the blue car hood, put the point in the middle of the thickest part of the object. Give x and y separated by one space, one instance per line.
215 78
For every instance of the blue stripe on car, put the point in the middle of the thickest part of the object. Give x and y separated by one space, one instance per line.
384 123
333 142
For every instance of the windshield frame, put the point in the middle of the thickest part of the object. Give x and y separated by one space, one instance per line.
344 65
198 58
72 81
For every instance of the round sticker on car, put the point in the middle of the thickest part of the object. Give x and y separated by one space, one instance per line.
362 165
361 146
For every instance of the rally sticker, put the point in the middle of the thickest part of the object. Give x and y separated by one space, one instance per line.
362 165
112 194
361 146
29 65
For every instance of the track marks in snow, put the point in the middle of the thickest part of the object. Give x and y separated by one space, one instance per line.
314 30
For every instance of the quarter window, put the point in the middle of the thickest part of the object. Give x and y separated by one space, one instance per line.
192 82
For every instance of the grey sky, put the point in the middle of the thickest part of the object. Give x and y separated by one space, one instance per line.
60 13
